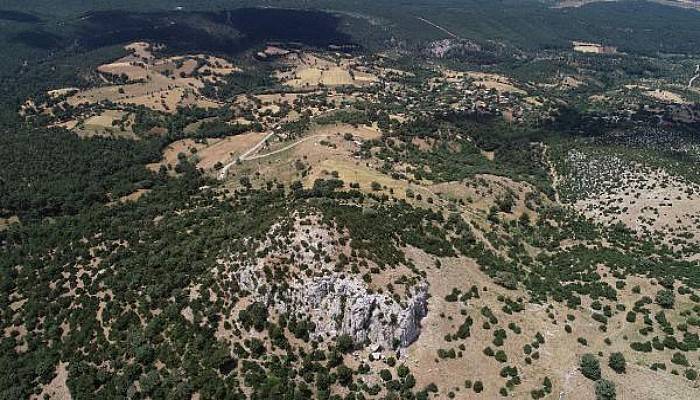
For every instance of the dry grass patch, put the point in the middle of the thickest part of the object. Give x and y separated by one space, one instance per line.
666 96
495 82
482 192
57 389
227 149
646 200
6 222
133 196
159 84
558 357
310 70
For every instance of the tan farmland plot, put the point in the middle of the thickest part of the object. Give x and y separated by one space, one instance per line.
108 123
227 149
208 152
495 82
321 151
184 147
159 84
312 71
666 96
134 71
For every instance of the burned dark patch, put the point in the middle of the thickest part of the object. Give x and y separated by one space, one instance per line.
18 16
227 32
38 39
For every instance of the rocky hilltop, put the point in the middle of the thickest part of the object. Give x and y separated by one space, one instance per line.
337 304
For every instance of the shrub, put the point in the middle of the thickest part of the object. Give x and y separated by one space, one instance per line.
665 298
478 386
590 367
644 347
605 390
344 343
617 362
539 338
385 374
501 356
547 384
679 359
254 315
344 375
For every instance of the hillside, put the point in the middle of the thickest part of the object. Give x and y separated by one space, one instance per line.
314 202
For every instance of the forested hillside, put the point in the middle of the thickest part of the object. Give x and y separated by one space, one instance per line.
349 200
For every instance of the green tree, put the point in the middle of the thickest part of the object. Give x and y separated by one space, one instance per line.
344 375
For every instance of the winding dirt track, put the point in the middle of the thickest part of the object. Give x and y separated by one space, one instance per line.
697 75
224 171
283 149
434 25
248 157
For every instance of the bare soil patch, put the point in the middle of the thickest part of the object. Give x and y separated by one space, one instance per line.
6 222
57 389
226 149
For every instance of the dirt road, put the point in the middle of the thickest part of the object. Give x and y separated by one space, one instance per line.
224 171
283 149
697 74
434 25
248 157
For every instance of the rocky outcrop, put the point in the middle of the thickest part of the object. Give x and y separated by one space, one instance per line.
344 306
335 302
450 47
